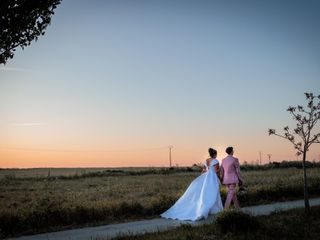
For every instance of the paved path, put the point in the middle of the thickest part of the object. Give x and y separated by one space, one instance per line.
158 224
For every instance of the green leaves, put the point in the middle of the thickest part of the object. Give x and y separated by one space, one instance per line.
21 22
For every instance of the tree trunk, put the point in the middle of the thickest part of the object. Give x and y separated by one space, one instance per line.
305 185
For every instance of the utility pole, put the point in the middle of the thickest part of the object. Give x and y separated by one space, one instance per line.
269 156
260 157
170 160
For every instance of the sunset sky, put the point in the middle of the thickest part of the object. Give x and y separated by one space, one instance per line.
114 83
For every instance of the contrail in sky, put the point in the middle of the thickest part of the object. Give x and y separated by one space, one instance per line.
16 69
29 124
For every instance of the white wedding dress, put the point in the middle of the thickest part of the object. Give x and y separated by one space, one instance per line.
201 198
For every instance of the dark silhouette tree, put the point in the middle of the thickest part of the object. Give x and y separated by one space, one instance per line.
306 121
21 22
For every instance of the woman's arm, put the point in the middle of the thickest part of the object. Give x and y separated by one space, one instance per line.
216 168
204 169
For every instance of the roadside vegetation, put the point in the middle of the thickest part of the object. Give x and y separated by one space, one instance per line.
233 225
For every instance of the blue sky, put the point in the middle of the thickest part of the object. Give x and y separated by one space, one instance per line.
118 75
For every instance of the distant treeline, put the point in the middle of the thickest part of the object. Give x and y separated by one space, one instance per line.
277 165
163 171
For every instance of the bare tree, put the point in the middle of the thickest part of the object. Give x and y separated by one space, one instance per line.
306 121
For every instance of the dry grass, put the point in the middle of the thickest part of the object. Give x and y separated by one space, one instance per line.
293 225
45 172
40 204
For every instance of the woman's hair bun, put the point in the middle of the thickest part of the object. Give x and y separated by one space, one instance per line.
212 152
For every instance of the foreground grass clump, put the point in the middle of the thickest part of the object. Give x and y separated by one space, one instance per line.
293 225
37 204
236 222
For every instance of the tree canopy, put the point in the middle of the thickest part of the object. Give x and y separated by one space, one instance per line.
21 22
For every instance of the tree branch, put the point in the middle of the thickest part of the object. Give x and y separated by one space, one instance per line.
299 118
11 48
297 146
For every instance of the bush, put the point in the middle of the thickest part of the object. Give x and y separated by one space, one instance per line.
236 222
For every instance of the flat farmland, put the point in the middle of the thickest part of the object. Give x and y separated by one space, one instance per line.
45 172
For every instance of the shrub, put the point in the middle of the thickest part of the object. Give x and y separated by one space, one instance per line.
236 222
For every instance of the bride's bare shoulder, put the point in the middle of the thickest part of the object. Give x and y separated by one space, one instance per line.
208 161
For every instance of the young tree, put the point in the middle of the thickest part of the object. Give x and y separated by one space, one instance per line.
306 121
21 22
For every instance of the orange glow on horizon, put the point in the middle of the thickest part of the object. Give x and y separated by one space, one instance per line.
24 158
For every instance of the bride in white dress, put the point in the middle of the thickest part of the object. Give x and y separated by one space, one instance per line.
202 197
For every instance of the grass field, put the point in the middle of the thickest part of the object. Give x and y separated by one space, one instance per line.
293 225
34 203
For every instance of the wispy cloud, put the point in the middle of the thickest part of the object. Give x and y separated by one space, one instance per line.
29 124
16 69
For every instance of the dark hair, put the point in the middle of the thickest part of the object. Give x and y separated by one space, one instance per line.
212 152
229 150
